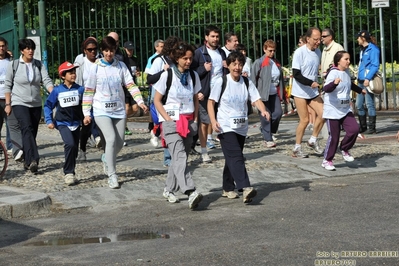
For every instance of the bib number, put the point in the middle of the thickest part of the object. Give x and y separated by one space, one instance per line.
68 99
173 111
238 122
343 101
110 106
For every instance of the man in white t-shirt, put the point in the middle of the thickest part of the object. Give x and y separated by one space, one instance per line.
210 63
230 43
305 89
329 51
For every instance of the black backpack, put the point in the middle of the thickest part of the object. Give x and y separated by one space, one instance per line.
249 104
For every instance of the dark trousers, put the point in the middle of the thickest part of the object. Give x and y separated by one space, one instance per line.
234 167
85 135
15 133
268 128
351 127
28 120
71 147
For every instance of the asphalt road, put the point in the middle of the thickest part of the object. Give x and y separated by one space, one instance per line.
308 223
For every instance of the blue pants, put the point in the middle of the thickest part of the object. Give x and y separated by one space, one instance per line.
268 128
370 104
349 124
71 147
28 120
234 171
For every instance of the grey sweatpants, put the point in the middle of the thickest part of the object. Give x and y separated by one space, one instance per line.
113 130
179 178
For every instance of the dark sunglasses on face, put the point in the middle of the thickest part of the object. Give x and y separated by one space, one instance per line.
90 50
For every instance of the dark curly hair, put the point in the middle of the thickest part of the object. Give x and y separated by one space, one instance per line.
181 50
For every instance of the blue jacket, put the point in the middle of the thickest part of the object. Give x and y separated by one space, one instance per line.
200 57
369 60
66 116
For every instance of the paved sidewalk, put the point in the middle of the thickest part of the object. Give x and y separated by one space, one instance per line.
277 167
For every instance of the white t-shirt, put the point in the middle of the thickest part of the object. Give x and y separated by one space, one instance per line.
337 103
308 62
3 70
86 69
178 93
232 112
275 78
109 97
217 64
226 51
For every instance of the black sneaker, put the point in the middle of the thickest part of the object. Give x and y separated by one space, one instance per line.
33 167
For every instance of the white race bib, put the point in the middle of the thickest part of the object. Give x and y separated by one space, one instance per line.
173 111
68 98
237 121
343 102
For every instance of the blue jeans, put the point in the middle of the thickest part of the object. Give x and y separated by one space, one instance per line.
369 97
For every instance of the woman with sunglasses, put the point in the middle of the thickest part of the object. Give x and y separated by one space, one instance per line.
268 77
85 61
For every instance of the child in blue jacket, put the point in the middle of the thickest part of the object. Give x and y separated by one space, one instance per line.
67 101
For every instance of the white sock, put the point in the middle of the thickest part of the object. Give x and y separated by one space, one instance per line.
297 146
312 139
204 150
209 136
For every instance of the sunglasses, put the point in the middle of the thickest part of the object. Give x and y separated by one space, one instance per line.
271 51
90 50
324 36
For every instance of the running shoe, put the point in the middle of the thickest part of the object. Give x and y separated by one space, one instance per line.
170 196
194 199
205 158
113 181
347 156
328 165
210 144
248 193
298 153
316 147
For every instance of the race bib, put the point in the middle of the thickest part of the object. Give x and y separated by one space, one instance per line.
110 106
343 102
173 111
237 121
68 98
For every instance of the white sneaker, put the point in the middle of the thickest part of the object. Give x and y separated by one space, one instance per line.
19 157
70 179
347 156
270 144
205 158
316 147
194 199
328 165
298 153
170 196
113 181
274 138
154 140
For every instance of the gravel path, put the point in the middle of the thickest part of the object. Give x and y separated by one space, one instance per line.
140 162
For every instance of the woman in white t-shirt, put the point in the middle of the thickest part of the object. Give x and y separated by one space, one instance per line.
178 109
337 110
305 89
104 92
85 61
231 123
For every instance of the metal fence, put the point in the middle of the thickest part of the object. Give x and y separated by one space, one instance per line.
69 23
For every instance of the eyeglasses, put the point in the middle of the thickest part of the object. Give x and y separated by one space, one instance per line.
271 51
90 50
324 36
